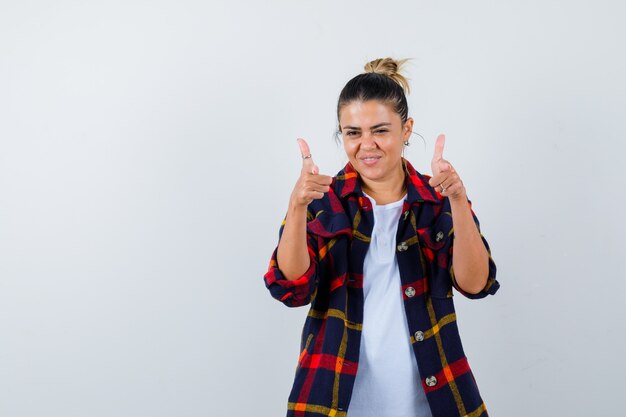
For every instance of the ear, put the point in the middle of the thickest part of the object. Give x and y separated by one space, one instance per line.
407 129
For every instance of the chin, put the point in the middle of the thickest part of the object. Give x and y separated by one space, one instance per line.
371 174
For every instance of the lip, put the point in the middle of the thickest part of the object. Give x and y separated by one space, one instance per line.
370 160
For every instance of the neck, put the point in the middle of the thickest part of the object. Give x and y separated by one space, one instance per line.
387 191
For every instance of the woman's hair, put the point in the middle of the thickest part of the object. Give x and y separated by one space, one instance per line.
381 81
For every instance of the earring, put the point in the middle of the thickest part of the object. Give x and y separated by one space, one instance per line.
406 143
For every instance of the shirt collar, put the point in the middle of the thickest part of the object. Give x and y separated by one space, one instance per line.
348 182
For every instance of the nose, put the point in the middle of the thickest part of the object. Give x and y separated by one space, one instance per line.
367 141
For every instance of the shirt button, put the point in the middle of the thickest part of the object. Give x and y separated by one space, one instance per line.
402 247
431 381
439 237
410 292
419 335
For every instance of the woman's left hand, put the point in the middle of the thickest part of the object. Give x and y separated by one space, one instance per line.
445 179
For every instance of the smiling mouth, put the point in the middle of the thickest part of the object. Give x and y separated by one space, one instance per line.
370 160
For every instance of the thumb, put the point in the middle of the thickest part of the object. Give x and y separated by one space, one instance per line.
307 162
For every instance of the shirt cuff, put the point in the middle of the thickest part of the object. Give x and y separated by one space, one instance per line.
292 293
492 285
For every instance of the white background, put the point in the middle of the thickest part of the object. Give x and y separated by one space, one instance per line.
147 154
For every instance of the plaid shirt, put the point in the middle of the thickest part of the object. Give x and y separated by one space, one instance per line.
339 228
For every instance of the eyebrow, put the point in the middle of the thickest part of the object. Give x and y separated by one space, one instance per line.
373 127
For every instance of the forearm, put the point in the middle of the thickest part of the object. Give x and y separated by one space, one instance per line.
293 254
470 259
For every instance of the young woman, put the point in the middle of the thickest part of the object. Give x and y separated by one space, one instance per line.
371 249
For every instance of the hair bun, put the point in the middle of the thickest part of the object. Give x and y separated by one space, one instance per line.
391 68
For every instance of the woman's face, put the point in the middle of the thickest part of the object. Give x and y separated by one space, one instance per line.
373 138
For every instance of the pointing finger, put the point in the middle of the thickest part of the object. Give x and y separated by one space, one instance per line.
444 166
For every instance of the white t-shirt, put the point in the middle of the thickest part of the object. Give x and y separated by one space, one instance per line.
387 381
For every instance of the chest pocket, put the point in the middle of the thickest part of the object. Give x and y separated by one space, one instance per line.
436 250
333 232
329 225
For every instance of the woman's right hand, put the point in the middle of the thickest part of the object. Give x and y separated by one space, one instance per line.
293 257
311 185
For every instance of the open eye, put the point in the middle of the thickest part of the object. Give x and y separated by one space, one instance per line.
352 133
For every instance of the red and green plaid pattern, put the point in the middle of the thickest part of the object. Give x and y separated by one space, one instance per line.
339 228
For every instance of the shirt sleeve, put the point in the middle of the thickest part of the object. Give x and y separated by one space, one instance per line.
293 293
492 285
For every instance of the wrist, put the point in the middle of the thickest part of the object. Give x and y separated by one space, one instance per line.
459 199
297 209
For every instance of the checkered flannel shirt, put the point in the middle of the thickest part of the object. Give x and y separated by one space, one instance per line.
339 228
